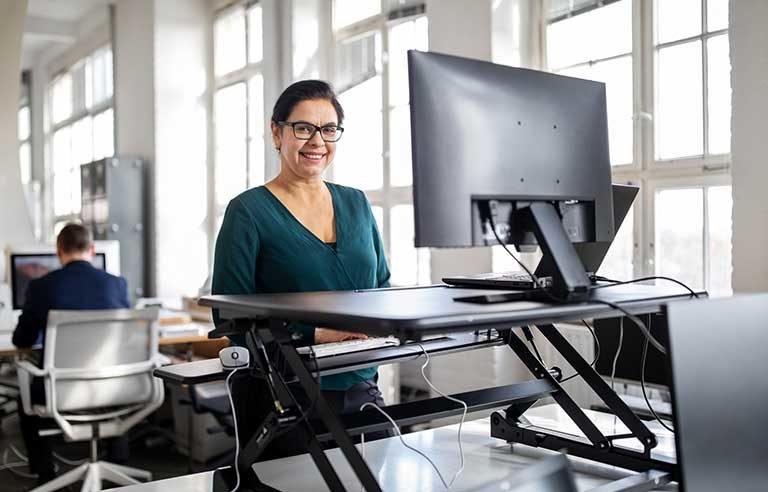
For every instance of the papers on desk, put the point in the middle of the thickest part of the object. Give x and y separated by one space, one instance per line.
180 330
172 317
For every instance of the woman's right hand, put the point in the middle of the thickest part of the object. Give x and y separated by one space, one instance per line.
326 335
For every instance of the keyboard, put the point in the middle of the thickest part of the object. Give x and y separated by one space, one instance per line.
347 346
504 280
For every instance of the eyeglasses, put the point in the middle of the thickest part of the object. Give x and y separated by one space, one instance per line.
305 131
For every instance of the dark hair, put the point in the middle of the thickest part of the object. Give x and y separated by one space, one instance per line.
304 90
73 238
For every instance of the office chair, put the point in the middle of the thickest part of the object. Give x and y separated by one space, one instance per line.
98 383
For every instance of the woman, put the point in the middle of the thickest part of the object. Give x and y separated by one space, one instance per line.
300 233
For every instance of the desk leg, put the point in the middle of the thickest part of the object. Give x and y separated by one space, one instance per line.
599 386
330 419
511 427
561 397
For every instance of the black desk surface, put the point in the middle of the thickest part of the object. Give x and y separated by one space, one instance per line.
412 312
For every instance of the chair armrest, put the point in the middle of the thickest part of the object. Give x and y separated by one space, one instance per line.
25 371
30 368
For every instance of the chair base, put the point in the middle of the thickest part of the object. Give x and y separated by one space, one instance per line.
92 475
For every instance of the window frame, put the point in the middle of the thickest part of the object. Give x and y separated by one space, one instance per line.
240 75
26 102
77 115
388 196
646 171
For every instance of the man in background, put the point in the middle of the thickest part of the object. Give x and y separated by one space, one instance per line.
76 285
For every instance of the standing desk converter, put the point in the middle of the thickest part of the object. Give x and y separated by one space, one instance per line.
415 313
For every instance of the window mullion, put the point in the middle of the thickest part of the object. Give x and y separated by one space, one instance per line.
704 79
705 238
386 137
645 220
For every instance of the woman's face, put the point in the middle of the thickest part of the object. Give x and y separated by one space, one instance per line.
306 159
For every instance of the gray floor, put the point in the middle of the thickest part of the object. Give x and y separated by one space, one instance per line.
151 451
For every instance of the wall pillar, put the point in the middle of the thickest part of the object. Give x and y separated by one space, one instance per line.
749 147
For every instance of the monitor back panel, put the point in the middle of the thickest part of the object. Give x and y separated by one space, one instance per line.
719 363
484 130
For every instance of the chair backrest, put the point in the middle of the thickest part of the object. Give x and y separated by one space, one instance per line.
100 358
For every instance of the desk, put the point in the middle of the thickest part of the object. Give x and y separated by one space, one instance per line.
415 313
186 333
487 461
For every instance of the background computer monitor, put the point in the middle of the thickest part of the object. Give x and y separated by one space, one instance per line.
27 267
25 263
491 140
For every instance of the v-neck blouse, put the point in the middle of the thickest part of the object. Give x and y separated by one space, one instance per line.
263 248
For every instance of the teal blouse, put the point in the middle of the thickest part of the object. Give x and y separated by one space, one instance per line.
263 248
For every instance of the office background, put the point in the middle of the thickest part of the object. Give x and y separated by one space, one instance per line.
188 85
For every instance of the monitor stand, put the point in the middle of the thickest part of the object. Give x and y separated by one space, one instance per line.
570 282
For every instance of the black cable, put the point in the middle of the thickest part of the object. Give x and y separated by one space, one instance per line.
529 336
536 280
597 351
637 321
615 283
642 387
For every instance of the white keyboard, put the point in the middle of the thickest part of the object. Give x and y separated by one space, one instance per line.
347 346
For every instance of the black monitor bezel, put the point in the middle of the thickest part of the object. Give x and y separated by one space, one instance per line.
14 276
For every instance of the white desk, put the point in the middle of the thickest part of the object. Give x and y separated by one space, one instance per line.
487 461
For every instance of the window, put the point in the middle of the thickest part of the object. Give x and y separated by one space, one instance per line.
375 153
669 127
693 231
25 148
597 45
692 79
347 12
238 105
82 127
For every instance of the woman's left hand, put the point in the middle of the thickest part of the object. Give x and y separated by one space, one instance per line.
327 335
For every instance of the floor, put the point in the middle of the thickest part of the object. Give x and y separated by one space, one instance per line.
151 449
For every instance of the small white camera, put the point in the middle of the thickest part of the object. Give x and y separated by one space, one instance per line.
234 358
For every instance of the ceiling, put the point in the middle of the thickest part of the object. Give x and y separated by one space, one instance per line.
51 24
63 10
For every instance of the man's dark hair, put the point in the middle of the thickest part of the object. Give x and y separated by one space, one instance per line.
305 90
73 238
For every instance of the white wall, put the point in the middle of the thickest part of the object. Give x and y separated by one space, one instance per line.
134 101
181 80
749 147
162 73
15 225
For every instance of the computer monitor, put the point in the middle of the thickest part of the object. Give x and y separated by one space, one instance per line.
522 149
719 392
26 263
27 267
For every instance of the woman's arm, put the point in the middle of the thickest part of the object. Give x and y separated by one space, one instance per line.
235 262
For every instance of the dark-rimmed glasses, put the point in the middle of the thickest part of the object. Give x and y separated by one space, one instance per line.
303 130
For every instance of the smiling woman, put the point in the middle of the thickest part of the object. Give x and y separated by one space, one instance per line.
301 233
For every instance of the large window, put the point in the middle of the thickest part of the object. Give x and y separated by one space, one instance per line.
82 126
375 155
666 67
238 104
25 132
